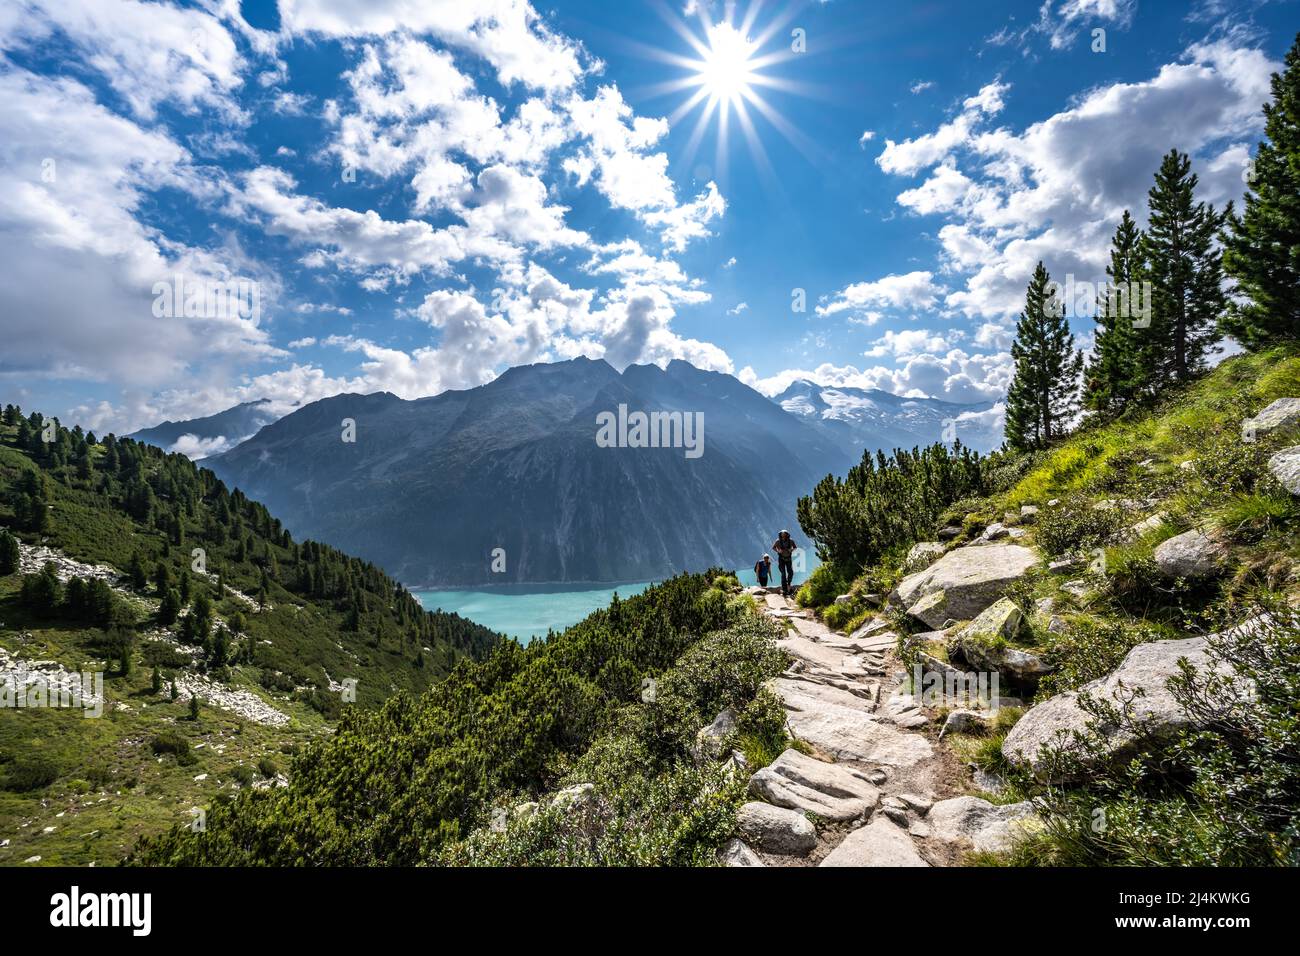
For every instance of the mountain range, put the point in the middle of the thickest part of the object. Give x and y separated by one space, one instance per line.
201 437
871 419
511 482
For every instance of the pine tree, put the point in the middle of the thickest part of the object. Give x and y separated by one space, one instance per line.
170 608
156 683
9 553
1044 392
1262 249
1184 266
1114 377
194 707
139 578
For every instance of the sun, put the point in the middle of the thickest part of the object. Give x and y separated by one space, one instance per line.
725 76
726 70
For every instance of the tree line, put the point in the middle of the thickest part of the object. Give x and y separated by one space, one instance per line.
1210 274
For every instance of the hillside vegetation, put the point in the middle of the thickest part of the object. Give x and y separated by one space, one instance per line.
1223 787
602 717
121 560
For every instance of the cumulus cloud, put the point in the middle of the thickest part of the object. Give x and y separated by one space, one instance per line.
911 291
1055 190
509 34
954 376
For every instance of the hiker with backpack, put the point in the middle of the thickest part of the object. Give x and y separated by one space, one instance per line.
763 570
784 547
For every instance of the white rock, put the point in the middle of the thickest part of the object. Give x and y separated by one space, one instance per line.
880 843
988 826
840 724
776 829
1282 415
1188 555
708 742
579 795
1147 667
922 554
970 578
736 853
799 782
1285 466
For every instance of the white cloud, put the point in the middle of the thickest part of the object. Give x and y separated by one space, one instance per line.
908 343
738 308
77 291
509 34
913 290
913 155
1056 190
148 52
954 376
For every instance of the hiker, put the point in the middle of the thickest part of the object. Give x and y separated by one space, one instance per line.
784 547
764 570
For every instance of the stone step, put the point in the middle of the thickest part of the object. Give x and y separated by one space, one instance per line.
831 791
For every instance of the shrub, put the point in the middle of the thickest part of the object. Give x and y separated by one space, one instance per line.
1225 791
29 772
1075 525
761 730
823 586
171 742
1249 516
267 767
886 501
1090 648
243 774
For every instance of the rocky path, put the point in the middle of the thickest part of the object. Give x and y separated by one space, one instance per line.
877 789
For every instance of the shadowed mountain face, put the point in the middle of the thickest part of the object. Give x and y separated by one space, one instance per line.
431 487
201 437
868 419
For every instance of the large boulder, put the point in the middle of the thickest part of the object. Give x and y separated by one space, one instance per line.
922 555
776 829
987 826
799 782
1189 555
880 843
1281 416
970 578
1285 466
1014 663
1000 619
1147 667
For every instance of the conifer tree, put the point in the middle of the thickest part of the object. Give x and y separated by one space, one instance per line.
1043 394
9 553
1262 249
1114 377
1184 265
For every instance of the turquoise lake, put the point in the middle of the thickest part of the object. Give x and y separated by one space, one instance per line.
526 612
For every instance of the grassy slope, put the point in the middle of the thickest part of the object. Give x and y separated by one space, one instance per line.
111 788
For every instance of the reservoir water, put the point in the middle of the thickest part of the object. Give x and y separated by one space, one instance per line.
525 612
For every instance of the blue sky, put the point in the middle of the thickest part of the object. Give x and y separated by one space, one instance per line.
426 192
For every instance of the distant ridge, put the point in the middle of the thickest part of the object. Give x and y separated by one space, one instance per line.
212 435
